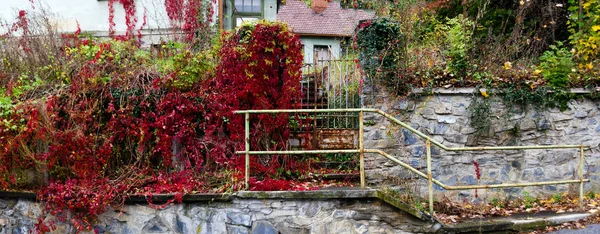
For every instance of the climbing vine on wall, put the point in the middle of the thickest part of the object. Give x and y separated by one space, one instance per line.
259 69
192 17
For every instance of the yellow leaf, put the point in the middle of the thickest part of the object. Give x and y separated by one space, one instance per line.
586 5
537 72
507 65
589 66
484 93
596 28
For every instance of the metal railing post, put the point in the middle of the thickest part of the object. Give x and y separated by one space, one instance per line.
247 142
361 147
581 177
429 177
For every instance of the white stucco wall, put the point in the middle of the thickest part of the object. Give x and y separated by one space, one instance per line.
270 9
92 15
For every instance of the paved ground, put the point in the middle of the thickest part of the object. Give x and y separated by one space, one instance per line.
590 229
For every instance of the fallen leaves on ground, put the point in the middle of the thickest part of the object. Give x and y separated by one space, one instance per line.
594 218
448 211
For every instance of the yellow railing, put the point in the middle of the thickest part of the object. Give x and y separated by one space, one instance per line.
428 140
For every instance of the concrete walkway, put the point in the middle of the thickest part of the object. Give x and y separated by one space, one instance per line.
590 229
516 222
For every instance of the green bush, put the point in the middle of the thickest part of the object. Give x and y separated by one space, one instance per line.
459 42
382 47
556 65
585 37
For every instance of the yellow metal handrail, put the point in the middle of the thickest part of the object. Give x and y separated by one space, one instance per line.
429 140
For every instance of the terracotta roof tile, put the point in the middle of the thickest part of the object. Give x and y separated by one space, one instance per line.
334 21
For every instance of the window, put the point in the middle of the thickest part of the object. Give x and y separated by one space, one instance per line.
240 20
322 52
248 6
246 10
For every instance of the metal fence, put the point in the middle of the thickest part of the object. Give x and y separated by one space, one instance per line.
328 84
429 141
332 84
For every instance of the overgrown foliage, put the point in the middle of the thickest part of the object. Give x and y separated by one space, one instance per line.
584 26
383 52
259 69
461 43
151 122
163 121
556 65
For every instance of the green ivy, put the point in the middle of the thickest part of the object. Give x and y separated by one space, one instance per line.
480 115
185 66
382 47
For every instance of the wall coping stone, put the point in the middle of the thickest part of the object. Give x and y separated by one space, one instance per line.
198 197
347 193
331 193
456 91
18 195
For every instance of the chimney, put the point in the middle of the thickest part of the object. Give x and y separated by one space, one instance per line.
318 6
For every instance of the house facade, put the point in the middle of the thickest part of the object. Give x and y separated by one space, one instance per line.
322 31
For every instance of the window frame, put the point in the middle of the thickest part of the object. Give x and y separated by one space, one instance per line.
319 47
235 14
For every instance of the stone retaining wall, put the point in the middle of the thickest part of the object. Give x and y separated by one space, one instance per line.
446 117
269 215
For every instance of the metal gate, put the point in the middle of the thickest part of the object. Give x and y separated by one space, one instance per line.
329 84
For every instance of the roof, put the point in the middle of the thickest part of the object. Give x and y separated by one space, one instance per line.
334 21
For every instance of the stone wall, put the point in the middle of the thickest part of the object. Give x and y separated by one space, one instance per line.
446 117
248 214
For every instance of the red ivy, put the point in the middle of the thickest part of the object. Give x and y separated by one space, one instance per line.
190 16
98 142
130 17
264 75
477 174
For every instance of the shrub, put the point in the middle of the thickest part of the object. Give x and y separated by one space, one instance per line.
259 69
382 47
159 124
557 65
585 37
459 41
